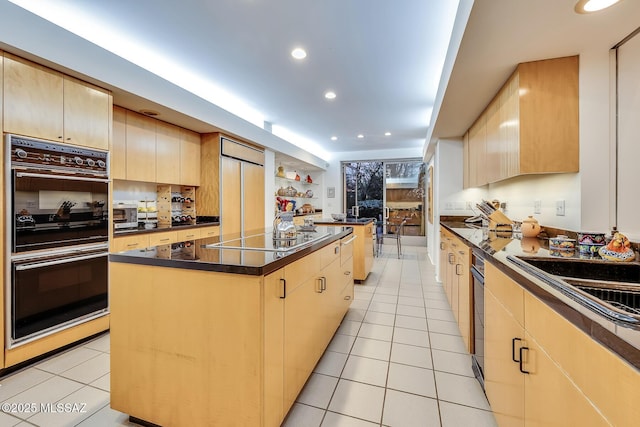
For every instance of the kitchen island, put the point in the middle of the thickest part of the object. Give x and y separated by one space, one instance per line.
224 331
550 356
363 229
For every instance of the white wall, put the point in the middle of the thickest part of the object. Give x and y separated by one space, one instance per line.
333 175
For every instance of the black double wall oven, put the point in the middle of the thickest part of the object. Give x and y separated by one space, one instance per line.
57 230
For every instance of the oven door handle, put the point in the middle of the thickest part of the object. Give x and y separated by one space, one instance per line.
67 177
32 265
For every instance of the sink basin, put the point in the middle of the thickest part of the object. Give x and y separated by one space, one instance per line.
612 290
587 269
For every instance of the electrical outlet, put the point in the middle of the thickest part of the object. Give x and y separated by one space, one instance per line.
560 208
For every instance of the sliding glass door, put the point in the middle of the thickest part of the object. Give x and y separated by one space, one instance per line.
364 189
405 195
390 191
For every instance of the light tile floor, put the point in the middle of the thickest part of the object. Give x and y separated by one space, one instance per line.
396 360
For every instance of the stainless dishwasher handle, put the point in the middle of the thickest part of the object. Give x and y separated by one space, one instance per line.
31 266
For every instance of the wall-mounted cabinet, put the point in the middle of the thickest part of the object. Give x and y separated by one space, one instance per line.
530 127
149 150
50 105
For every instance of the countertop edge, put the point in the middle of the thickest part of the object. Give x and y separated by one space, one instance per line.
592 328
226 268
325 221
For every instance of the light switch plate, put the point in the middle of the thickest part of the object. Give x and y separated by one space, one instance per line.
537 206
560 208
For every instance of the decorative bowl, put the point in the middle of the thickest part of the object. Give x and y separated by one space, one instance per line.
339 216
290 191
561 242
591 238
589 249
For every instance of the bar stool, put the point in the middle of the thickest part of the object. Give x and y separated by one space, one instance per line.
394 231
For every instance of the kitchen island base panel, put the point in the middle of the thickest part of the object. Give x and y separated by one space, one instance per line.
185 346
192 347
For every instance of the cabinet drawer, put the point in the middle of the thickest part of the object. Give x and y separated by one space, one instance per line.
346 247
163 238
210 231
191 234
128 243
329 253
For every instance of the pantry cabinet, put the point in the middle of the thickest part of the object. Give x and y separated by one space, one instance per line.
530 127
50 105
149 150
525 382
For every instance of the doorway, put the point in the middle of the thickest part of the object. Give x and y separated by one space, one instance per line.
390 191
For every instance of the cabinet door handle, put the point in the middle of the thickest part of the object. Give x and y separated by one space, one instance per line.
346 273
283 294
521 359
451 258
349 241
348 297
458 270
165 240
513 349
319 288
441 246
324 284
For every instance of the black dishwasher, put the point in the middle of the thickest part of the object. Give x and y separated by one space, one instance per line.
477 271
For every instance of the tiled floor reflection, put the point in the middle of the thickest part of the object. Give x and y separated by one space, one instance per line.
396 360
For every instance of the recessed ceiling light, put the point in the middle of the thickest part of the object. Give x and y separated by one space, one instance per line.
387 134
334 138
330 95
588 6
299 53
360 136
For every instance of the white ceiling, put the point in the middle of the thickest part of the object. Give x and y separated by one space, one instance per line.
382 58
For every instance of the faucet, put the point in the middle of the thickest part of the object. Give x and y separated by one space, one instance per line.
276 221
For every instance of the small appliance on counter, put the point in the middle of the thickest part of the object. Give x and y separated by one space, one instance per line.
125 216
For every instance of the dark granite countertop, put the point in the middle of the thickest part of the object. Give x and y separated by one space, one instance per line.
495 248
348 222
208 255
160 228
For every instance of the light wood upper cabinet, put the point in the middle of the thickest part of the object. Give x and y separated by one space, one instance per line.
140 147
33 99
49 105
189 158
118 152
253 197
530 127
167 153
87 114
477 153
150 150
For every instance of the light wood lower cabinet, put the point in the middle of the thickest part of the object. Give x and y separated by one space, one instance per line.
455 261
527 382
192 347
362 249
145 240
